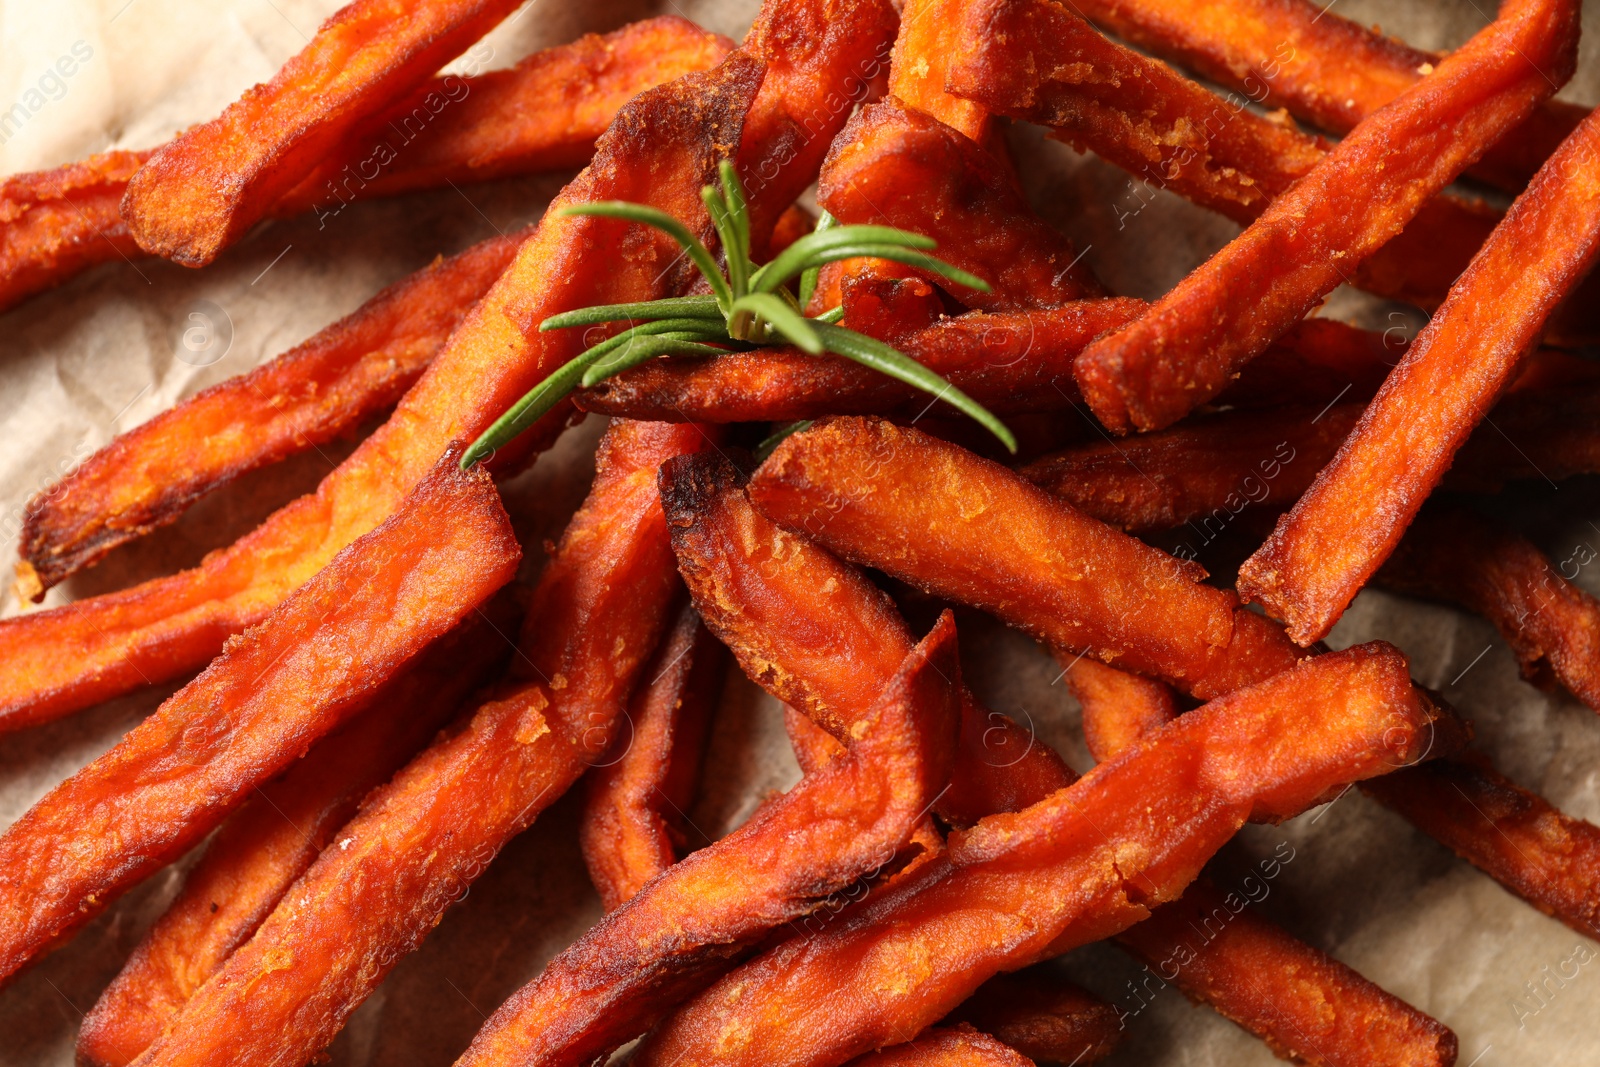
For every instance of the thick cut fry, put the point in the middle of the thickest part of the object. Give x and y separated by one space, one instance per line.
273 838
55 223
1076 583
1118 707
633 816
201 192
1353 516
929 37
311 665
1192 342
1325 69
896 167
311 394
418 843
661 150
1042 1016
947 1046
747 576
543 113
844 822
1456 555
1548 859
1082 864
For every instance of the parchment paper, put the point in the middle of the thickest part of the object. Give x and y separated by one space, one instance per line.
101 354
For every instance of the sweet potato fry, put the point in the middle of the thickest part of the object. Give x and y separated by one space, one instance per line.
1548 859
1042 1016
1082 864
1071 580
814 747
418 843
1191 343
633 819
846 821
1325 69
747 578
310 666
1118 707
267 843
202 191
896 167
662 148
1456 555
947 1046
311 394
1346 525
1538 433
56 223
929 36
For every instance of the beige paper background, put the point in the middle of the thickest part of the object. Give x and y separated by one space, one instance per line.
98 356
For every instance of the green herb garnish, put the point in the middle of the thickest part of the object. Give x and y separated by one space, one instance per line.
749 307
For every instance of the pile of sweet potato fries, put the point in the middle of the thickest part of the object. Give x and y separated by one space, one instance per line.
362 737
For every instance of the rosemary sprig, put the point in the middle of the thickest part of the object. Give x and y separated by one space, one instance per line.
749 306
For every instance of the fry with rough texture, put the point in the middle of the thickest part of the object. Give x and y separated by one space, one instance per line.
1192 341
1042 1016
747 578
1456 555
1077 583
266 844
316 391
1548 859
310 666
600 608
633 813
929 37
896 167
1080 865
1323 68
1355 513
202 191
846 821
1118 707
532 117
662 148
947 1046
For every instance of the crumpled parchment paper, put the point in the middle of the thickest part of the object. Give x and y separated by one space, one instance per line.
102 354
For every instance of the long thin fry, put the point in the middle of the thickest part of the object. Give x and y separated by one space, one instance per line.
205 189
418 843
1355 513
846 821
314 392
310 666
1322 67
663 146
633 813
274 837
56 223
1085 862
1311 237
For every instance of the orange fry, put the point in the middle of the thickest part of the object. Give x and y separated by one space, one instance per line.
316 391
1081 864
1325 69
1355 513
56 223
1118 707
418 843
1310 238
1041 1016
947 1046
201 192
1456 555
893 166
267 843
633 813
309 667
1538 433
662 148
846 821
